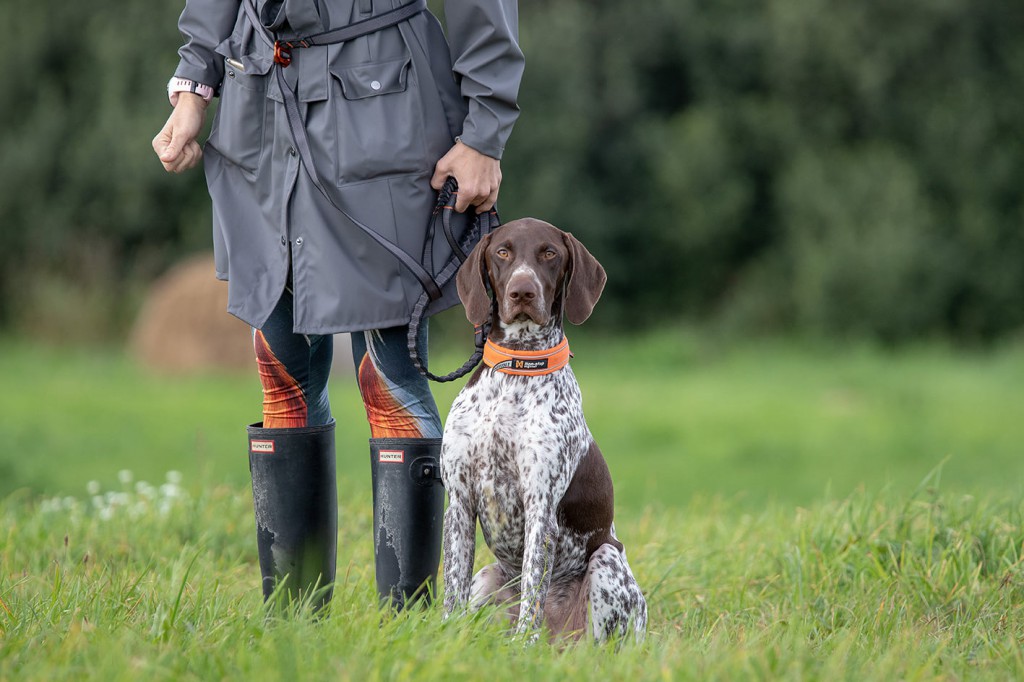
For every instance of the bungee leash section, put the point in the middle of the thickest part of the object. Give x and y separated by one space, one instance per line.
482 224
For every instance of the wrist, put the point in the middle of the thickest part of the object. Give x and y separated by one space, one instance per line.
190 99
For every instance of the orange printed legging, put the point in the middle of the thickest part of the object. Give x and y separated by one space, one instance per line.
294 369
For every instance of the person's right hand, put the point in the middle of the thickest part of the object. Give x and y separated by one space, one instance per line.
176 143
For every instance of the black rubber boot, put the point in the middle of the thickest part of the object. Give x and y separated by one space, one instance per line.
408 509
295 496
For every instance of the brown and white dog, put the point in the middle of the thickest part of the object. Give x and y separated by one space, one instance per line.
518 455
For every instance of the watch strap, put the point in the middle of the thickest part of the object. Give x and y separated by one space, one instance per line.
178 85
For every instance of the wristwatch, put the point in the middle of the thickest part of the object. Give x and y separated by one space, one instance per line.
177 85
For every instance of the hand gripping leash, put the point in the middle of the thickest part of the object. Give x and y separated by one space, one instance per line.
482 224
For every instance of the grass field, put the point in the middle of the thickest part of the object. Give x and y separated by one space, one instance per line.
791 511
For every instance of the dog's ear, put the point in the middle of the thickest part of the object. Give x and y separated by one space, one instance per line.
471 281
585 283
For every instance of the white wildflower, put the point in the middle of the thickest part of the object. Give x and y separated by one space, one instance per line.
174 477
93 487
125 476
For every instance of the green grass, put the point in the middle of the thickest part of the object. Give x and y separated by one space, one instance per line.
791 511
924 587
676 417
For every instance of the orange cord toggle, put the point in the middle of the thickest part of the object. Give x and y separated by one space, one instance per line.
282 53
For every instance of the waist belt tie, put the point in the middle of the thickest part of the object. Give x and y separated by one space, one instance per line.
283 48
482 224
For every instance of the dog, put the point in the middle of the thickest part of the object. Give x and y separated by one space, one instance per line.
517 453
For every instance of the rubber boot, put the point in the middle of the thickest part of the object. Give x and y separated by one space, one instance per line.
408 509
295 496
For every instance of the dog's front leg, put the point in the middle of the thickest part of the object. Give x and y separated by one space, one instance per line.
459 547
459 542
538 561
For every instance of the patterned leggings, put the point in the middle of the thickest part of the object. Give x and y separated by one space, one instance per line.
294 369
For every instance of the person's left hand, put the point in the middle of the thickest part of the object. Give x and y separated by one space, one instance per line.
478 175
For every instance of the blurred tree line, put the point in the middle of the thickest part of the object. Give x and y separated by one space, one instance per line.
843 168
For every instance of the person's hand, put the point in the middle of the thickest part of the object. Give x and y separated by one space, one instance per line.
478 176
176 144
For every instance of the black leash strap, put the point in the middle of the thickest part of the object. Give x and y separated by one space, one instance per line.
482 225
283 48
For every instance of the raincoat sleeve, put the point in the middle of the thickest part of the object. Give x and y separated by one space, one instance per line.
204 24
484 39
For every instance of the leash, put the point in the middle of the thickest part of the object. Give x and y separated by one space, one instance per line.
482 224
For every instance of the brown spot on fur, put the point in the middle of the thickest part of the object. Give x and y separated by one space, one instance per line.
588 506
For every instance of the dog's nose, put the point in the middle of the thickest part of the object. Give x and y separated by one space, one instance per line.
522 290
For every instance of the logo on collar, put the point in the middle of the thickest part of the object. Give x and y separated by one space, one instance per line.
527 362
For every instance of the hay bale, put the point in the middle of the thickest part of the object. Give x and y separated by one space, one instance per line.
183 325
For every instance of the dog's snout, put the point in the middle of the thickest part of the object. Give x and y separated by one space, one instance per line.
524 293
522 288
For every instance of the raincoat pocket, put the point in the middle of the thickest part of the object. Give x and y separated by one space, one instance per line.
239 127
379 120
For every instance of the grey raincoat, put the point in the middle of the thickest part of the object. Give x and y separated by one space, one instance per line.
379 110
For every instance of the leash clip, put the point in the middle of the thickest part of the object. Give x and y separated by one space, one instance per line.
282 53
480 332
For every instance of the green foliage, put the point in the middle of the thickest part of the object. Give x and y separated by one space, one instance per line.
88 212
839 168
832 167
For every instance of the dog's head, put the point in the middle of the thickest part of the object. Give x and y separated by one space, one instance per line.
530 266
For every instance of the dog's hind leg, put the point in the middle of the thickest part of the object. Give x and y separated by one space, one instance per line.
492 585
617 606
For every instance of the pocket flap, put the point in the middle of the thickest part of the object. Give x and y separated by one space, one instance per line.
368 80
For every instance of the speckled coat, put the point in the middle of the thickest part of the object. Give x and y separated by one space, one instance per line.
517 453
380 110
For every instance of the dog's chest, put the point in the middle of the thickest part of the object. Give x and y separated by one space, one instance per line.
521 438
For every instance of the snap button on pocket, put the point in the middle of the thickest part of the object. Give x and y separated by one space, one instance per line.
361 81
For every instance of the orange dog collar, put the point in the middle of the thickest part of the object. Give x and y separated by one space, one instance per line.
527 362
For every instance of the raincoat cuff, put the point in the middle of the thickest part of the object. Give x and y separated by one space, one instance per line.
207 74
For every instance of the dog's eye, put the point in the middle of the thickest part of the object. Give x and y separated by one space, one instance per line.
549 254
502 253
